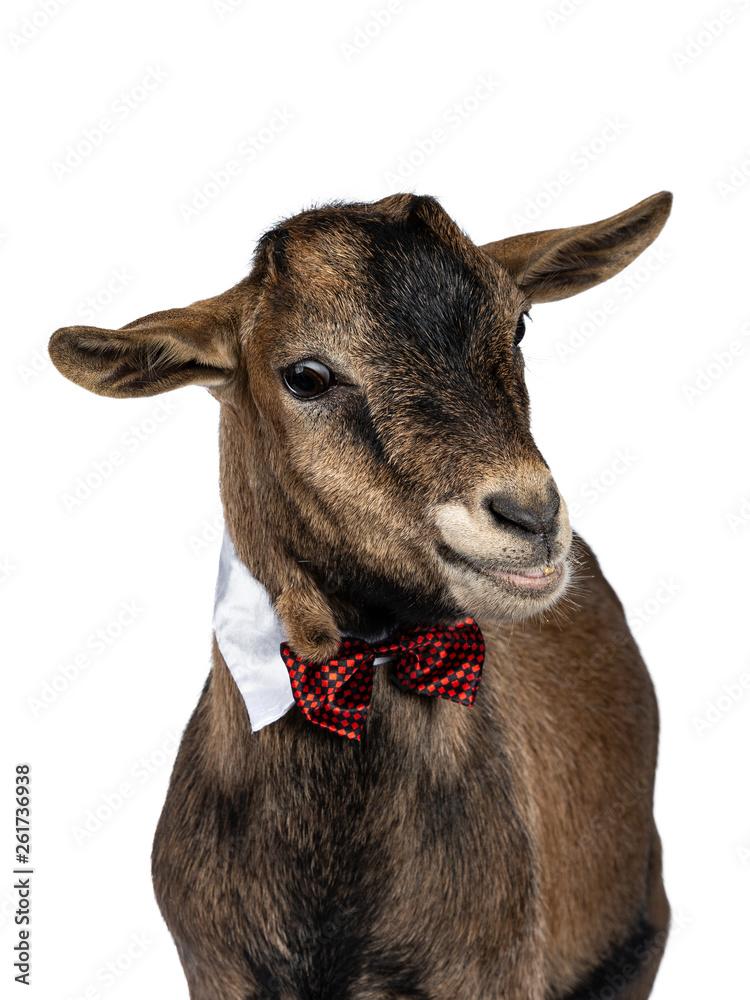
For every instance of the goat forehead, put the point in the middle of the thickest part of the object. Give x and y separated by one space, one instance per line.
386 289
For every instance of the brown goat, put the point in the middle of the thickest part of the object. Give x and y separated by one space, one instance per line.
378 475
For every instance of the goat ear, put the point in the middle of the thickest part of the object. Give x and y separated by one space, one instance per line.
196 345
557 263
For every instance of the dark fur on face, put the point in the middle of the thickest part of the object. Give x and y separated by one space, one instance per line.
507 851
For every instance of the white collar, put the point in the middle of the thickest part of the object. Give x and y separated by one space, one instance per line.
249 634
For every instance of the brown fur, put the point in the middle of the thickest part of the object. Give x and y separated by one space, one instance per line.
507 850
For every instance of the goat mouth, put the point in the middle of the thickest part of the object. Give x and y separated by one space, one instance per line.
539 578
536 579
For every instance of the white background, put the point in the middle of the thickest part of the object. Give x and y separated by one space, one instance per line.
673 512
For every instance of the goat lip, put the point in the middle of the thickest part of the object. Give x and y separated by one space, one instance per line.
536 578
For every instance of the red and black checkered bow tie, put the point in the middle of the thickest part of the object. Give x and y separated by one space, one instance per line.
441 663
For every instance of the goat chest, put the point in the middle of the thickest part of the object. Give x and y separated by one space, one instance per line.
453 853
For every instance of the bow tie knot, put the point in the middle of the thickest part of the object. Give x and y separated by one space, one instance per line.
439 663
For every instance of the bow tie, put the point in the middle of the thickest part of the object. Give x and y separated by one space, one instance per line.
440 663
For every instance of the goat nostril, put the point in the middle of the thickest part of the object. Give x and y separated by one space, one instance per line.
536 519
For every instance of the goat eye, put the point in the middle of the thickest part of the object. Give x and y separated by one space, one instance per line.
307 379
520 329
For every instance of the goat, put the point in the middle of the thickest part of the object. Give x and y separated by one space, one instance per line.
380 484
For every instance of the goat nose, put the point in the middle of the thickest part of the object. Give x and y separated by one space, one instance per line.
535 518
